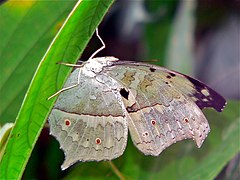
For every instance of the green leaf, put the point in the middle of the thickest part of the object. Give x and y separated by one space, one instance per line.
27 29
68 45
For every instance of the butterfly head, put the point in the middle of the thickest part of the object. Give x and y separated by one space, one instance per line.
95 65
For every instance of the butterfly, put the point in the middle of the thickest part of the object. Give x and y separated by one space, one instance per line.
159 107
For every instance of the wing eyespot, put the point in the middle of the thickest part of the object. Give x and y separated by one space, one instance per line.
98 141
153 122
145 134
186 120
67 122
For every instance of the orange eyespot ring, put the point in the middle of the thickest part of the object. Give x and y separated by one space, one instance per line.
145 134
98 141
67 122
153 122
186 119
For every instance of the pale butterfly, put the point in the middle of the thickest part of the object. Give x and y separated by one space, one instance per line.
104 98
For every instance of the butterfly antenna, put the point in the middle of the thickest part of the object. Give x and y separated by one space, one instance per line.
101 48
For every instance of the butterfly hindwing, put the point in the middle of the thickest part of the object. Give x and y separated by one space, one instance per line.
85 126
157 127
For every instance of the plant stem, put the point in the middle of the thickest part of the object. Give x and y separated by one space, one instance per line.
116 171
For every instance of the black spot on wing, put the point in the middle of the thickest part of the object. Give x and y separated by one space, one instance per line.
214 99
124 93
172 74
152 69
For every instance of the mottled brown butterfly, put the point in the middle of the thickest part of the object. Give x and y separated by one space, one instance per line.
104 98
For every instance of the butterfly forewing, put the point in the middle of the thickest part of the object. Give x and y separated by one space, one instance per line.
199 92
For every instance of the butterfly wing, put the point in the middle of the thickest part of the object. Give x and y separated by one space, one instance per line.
162 105
199 92
84 123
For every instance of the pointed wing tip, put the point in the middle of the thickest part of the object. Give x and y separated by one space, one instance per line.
63 168
65 165
222 106
68 162
199 143
217 104
213 99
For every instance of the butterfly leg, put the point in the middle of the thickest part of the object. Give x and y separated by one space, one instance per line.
67 88
63 89
75 65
